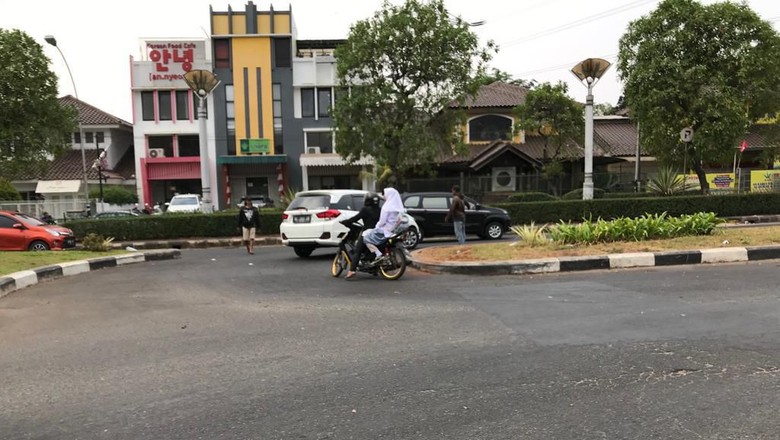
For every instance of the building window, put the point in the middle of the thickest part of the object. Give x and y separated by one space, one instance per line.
77 138
319 139
147 106
99 137
189 145
307 103
182 105
89 137
490 128
323 102
222 54
282 52
277 98
230 113
164 105
161 142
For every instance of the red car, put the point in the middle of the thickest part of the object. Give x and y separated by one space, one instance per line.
20 232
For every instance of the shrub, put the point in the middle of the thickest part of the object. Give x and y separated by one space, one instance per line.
531 235
96 243
7 191
531 197
115 195
576 194
668 182
628 195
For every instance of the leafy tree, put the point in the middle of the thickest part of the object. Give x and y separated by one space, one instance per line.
33 125
604 109
405 65
715 68
549 112
499 75
7 191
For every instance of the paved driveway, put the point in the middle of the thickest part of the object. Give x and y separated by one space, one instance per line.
210 346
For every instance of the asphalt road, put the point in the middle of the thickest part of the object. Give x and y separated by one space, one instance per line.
210 347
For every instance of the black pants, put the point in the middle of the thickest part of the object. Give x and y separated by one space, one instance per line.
357 254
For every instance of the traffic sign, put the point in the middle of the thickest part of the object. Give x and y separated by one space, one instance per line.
686 135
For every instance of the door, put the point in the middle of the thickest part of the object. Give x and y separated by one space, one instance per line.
11 239
475 218
256 186
435 209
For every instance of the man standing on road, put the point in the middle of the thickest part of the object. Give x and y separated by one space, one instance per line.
457 214
249 221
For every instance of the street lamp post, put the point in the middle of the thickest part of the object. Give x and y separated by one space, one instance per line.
51 40
98 165
589 72
203 82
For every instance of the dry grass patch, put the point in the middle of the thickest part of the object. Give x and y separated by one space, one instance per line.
517 250
11 262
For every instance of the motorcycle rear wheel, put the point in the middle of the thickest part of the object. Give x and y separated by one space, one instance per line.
395 267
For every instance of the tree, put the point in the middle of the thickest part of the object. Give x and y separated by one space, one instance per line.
403 67
115 195
33 125
7 191
549 112
499 75
604 109
714 68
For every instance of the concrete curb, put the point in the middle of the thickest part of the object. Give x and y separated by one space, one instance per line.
195 243
595 262
25 278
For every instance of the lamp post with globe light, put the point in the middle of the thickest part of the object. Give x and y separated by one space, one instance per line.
589 72
52 41
203 82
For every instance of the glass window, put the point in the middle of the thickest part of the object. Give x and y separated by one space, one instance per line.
99 137
307 103
164 142
323 102
7 222
189 146
282 52
230 110
147 106
229 92
89 137
182 105
322 139
222 54
434 203
77 138
490 128
277 108
164 105
277 92
412 202
309 202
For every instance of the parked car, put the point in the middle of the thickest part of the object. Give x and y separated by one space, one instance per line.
430 209
20 232
185 203
115 214
258 201
312 220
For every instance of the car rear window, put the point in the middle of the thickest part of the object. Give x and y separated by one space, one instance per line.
184 201
310 201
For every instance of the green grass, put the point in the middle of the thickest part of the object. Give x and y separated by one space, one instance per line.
11 262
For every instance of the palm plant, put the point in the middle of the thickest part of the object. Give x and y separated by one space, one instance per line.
668 182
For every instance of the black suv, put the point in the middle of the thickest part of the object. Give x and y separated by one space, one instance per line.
429 209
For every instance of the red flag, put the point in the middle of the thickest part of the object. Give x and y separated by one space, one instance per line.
743 147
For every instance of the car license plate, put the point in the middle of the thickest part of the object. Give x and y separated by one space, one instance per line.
302 219
69 242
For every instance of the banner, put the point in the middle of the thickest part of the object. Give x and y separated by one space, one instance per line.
764 180
255 146
716 180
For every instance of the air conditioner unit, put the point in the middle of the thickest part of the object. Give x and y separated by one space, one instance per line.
313 150
504 179
156 152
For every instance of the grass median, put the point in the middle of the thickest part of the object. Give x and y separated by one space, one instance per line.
11 262
518 250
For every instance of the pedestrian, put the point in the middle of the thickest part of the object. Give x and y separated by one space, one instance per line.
249 221
457 214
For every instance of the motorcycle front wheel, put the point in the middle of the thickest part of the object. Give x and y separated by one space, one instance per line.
395 266
340 262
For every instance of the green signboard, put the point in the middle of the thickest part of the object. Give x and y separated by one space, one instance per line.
254 146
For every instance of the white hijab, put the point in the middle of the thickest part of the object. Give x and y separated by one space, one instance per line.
393 202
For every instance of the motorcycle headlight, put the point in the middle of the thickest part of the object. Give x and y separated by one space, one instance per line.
53 232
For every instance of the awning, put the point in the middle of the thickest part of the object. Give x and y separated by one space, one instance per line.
253 159
331 160
57 186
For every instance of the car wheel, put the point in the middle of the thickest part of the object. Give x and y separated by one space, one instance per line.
411 238
38 245
303 251
494 230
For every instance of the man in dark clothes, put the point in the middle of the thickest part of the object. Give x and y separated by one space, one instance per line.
369 213
249 221
457 214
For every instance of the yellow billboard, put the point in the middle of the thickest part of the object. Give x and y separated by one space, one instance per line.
716 180
764 180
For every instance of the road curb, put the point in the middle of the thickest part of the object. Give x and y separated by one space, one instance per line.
600 262
19 280
196 243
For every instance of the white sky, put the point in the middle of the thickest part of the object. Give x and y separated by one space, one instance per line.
537 38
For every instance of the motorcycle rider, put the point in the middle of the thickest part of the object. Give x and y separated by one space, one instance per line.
369 214
389 218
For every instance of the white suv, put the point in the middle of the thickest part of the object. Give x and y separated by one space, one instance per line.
312 219
185 203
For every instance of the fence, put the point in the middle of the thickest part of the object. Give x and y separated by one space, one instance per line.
57 209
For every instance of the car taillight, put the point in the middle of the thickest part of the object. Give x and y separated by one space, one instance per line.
285 216
329 214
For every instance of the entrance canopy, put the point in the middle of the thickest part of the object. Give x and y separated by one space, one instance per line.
57 186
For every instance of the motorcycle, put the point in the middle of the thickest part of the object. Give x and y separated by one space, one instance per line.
392 267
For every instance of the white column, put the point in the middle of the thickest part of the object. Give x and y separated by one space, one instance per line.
205 166
305 177
587 185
